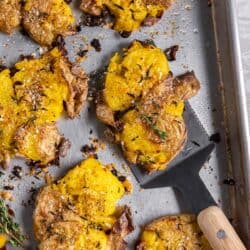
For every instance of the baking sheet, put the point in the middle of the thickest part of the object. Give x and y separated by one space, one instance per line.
190 25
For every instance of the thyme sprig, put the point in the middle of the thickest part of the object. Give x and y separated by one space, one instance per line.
9 227
162 134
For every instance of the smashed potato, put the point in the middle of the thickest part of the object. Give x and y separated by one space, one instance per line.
79 211
143 104
33 96
10 15
133 74
44 20
174 233
129 15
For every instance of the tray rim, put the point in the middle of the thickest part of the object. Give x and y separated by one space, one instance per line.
242 124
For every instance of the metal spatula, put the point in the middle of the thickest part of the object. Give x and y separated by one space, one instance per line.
183 174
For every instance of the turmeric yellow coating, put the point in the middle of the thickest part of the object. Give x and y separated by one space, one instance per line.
174 233
33 95
137 143
132 74
130 14
93 190
3 240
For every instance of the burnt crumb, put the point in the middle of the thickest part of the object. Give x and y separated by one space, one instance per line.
149 42
2 67
10 211
196 143
95 156
171 52
13 71
91 20
229 181
32 163
82 53
60 43
95 43
78 28
1 174
209 3
33 192
17 172
125 34
86 149
91 132
26 57
8 187
214 110
56 161
24 32
114 172
122 178
215 138
64 147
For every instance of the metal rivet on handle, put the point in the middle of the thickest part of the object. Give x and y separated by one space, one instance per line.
221 234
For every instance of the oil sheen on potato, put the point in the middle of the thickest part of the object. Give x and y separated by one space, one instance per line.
31 98
135 72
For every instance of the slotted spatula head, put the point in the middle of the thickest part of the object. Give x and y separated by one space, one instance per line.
183 172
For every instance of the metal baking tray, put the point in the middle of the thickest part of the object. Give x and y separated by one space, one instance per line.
209 45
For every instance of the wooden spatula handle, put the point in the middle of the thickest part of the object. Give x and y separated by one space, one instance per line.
218 230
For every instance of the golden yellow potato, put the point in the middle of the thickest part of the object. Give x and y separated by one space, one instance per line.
79 211
32 97
129 15
3 240
175 232
10 15
132 74
44 20
143 105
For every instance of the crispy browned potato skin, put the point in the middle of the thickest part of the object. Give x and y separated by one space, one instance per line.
50 140
10 15
53 214
178 232
33 22
170 90
91 7
52 144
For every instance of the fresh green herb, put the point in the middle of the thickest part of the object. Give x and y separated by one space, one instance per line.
147 118
162 134
9 227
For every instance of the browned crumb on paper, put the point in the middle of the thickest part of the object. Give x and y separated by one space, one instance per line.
6 195
171 52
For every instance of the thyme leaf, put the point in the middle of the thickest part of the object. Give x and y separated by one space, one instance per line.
162 134
9 227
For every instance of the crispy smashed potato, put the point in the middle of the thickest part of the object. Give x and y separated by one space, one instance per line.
79 211
174 233
133 74
10 15
143 104
44 20
129 15
33 96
